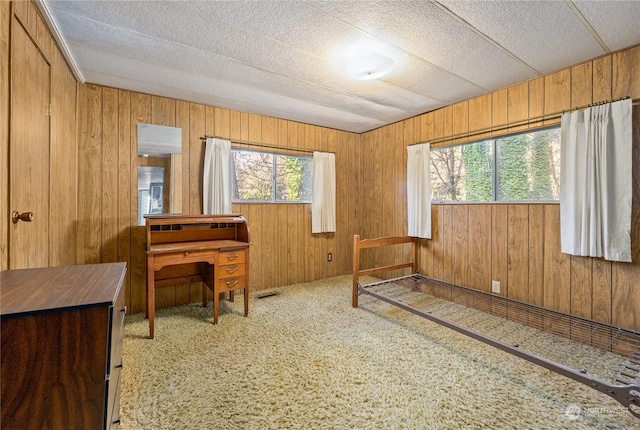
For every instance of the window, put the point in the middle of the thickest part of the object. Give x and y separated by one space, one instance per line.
520 167
269 177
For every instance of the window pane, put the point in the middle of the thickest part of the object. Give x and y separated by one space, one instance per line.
293 178
253 175
462 173
268 177
529 166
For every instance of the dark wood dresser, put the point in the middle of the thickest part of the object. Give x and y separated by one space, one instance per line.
61 352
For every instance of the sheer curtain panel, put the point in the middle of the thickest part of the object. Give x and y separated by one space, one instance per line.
595 181
216 188
323 193
419 190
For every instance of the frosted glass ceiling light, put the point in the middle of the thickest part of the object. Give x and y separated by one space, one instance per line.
372 66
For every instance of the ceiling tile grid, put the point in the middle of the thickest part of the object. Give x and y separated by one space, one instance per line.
287 58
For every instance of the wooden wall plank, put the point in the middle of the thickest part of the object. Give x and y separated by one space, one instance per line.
427 131
447 250
140 112
581 284
517 105
581 85
89 234
269 221
163 111
460 244
110 175
461 120
436 241
447 117
63 168
518 252
438 126
536 101
197 129
480 115
601 79
536 254
499 110
557 93
499 238
222 120
283 213
480 247
125 179
625 72
557 279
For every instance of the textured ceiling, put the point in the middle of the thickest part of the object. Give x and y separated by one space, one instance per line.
287 58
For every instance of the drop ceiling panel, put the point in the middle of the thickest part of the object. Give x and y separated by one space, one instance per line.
287 58
617 23
545 35
430 33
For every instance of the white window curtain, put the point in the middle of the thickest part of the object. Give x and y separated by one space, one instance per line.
216 188
323 193
419 190
595 181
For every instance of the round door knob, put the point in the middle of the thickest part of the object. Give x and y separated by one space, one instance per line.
25 216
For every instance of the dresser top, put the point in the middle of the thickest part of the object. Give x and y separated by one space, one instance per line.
48 288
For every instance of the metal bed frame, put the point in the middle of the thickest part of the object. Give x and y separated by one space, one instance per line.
608 356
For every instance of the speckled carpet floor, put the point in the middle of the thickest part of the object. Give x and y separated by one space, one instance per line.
305 359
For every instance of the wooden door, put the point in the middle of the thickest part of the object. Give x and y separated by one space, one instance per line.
29 151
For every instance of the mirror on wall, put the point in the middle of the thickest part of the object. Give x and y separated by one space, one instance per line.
159 170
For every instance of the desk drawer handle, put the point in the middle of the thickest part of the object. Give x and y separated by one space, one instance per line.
233 269
124 310
232 283
186 253
232 257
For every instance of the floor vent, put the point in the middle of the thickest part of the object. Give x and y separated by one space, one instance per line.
265 295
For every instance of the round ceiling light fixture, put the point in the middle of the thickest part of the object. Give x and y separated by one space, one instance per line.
372 66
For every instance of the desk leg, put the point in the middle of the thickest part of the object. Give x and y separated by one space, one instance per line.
216 295
151 297
246 300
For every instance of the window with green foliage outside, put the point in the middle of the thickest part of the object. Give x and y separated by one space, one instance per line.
519 167
270 177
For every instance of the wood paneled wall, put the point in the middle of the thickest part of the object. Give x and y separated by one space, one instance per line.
283 250
62 144
93 187
516 244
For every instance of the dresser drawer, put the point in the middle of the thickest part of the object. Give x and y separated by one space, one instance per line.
227 257
230 270
228 284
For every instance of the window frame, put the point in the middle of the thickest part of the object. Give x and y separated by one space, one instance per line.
274 175
495 176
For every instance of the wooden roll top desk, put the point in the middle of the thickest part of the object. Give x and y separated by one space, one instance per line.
213 249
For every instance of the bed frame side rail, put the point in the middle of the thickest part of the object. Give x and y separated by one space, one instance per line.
359 244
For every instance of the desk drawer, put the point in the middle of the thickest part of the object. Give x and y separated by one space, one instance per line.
231 270
228 284
237 256
183 257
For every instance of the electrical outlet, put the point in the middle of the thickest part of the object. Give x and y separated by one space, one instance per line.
329 257
495 286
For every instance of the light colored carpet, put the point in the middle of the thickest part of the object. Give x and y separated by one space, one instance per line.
305 359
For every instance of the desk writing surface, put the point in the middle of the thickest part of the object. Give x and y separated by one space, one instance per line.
201 245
